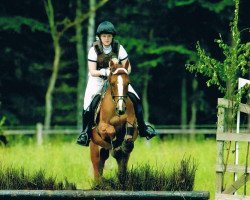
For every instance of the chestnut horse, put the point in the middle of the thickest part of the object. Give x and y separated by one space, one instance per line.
116 128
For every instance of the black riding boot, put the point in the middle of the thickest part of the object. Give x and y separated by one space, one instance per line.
144 130
84 137
87 122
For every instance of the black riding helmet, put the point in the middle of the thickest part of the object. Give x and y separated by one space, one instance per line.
106 27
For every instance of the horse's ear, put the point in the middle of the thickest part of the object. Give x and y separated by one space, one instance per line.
111 63
126 65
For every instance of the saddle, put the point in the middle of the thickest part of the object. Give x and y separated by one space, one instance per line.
96 103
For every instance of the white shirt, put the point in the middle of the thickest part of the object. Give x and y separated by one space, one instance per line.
92 56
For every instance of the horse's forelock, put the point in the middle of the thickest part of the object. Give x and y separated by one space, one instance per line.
120 71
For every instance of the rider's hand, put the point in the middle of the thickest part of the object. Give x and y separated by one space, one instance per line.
108 72
104 72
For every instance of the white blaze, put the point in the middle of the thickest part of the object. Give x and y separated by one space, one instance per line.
120 90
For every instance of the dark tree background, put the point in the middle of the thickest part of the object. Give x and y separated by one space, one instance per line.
159 36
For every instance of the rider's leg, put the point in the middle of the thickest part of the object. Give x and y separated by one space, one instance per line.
84 137
87 122
94 87
144 130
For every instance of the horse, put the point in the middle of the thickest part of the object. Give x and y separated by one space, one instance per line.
116 127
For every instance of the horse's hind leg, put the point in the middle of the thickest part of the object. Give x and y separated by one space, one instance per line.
98 158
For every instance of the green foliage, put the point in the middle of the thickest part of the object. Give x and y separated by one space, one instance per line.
215 6
173 3
244 91
151 63
180 49
154 51
2 121
16 23
224 74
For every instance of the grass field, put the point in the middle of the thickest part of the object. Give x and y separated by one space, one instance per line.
63 158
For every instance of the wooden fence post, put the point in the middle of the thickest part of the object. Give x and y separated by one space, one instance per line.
39 133
220 147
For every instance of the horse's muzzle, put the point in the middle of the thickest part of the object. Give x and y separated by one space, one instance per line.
120 111
120 106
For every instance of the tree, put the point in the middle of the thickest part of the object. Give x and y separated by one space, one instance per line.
56 36
57 56
224 74
81 55
20 67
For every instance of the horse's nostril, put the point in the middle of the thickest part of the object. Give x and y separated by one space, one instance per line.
120 112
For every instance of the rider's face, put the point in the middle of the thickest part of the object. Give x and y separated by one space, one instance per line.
106 39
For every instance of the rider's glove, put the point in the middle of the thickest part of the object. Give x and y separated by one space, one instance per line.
104 72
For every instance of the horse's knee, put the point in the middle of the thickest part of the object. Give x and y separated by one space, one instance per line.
104 154
117 153
127 146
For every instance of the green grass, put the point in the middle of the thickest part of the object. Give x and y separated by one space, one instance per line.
66 159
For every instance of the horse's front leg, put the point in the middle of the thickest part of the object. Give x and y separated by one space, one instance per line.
122 167
98 157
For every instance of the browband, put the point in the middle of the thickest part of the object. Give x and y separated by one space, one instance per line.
120 69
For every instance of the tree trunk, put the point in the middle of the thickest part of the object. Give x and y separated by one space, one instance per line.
51 87
81 55
184 103
145 94
91 25
55 69
192 122
81 59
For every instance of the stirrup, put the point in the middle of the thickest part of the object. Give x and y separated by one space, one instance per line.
83 139
150 132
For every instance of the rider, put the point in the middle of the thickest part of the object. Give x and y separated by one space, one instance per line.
102 51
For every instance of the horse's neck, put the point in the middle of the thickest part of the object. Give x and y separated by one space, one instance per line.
108 100
108 93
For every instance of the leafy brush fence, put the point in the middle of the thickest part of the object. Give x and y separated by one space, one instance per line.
147 178
141 183
18 179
